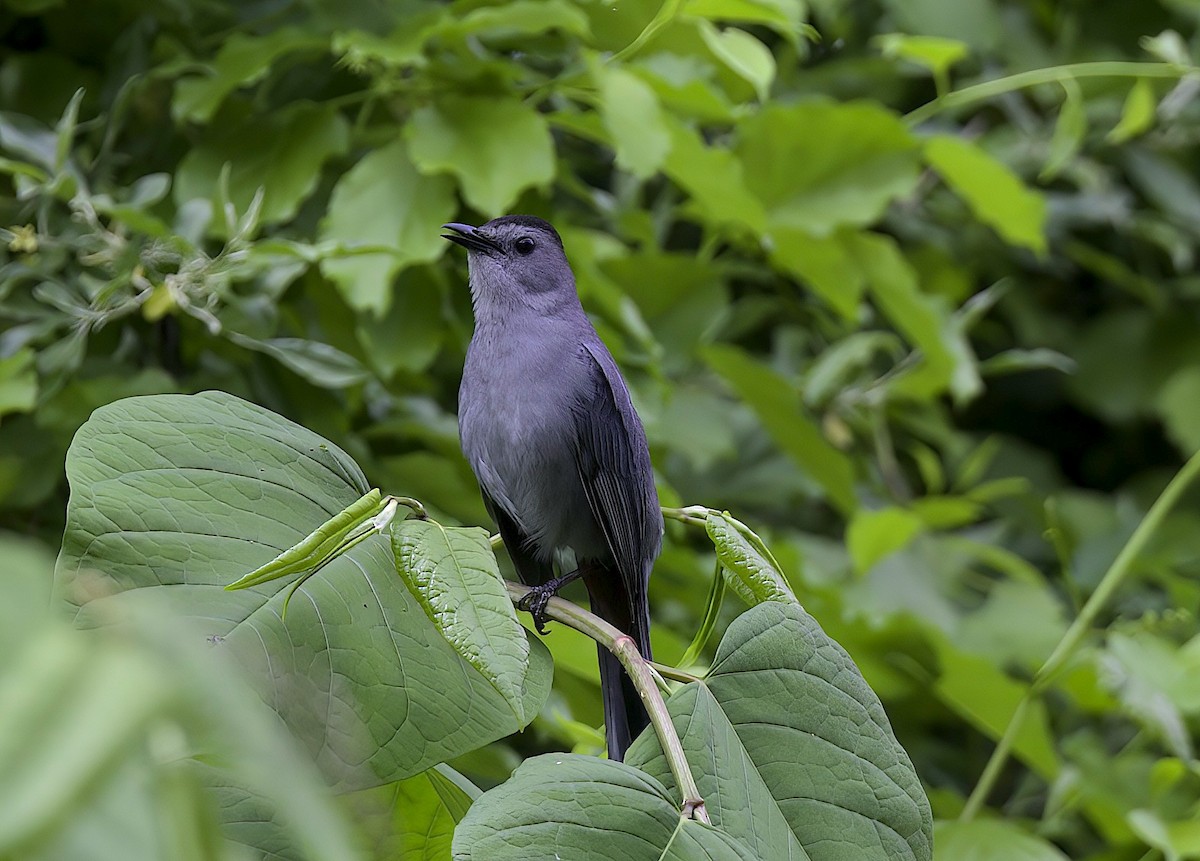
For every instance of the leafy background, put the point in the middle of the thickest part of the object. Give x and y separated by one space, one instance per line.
944 360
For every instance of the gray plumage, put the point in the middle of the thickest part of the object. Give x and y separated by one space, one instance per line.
546 423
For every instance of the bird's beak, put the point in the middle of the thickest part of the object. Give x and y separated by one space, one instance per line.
469 238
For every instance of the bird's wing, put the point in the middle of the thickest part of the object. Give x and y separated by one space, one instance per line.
614 468
531 569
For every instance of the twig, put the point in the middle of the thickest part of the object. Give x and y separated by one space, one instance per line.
642 675
1112 580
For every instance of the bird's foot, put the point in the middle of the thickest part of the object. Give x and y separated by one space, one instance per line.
538 597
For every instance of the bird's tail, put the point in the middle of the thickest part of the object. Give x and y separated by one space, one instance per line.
625 715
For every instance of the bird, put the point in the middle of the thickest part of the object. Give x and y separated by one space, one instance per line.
547 424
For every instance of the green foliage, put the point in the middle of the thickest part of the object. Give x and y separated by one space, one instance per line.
174 494
909 286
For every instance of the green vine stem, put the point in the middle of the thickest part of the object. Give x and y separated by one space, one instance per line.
1112 580
643 677
1036 77
666 13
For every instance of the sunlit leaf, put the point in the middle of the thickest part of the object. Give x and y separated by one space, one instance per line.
817 165
994 193
990 840
495 147
384 201
1137 115
634 120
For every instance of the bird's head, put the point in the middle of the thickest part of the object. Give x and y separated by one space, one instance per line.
515 260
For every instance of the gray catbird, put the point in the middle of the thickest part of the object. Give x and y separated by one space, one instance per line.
545 420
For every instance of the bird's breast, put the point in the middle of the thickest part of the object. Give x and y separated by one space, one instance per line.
518 432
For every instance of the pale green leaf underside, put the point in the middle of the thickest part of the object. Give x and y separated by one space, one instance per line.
748 567
452 573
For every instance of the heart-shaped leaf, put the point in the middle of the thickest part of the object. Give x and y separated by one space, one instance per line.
791 748
175 496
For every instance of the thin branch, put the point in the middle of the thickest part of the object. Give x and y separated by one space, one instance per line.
1035 77
642 676
1112 580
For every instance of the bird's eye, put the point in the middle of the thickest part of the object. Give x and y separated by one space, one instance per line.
524 245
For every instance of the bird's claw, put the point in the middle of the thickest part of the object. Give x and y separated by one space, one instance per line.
534 603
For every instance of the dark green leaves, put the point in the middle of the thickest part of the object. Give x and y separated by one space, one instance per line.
777 407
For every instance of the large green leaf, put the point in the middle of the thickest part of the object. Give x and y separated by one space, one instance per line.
497 147
452 573
791 748
96 728
174 496
384 201
561 806
714 178
818 165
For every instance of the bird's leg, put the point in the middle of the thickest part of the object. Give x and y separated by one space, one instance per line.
538 597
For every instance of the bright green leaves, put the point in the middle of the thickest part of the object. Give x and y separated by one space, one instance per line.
452 573
873 535
634 119
748 565
585 809
1137 114
173 497
714 178
282 154
394 214
994 193
818 165
496 147
745 55
934 53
